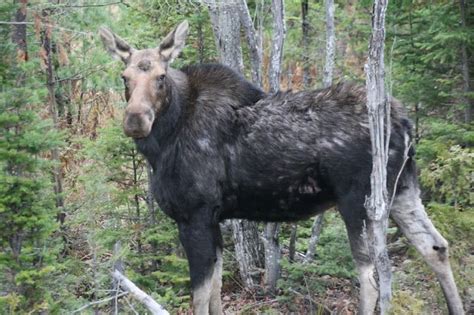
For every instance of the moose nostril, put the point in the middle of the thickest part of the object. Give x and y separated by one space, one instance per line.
137 125
134 120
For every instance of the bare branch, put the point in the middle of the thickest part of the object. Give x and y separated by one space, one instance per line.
141 296
47 25
99 302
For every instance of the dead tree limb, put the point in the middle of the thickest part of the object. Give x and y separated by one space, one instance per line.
379 122
142 297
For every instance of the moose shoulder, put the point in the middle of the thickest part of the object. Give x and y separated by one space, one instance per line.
221 149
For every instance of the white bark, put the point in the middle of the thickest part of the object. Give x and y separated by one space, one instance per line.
142 297
313 241
330 43
248 251
254 41
225 19
272 255
278 38
468 100
305 42
379 122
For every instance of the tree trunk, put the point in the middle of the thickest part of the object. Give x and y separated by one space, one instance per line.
225 19
254 41
278 36
313 241
305 42
227 32
379 122
19 32
272 247
330 43
46 43
468 100
248 251
292 250
272 256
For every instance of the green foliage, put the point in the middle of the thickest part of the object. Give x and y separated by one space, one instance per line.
446 159
403 302
28 247
106 186
333 259
115 184
449 177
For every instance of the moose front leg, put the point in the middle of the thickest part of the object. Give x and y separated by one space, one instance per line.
202 242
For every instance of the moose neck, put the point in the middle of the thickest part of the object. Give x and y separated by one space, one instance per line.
168 123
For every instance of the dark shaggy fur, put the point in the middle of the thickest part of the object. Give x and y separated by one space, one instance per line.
218 152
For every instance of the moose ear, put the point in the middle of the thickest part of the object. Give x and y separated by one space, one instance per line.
171 46
117 47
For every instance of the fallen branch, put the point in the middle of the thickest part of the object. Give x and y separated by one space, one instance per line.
99 302
141 296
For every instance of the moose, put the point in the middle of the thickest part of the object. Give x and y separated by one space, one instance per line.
221 148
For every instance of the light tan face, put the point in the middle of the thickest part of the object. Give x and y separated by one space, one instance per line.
145 77
145 90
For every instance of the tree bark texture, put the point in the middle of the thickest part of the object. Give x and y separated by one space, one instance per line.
254 41
19 31
272 256
249 251
379 122
226 17
467 89
278 38
291 255
305 42
314 239
330 43
47 52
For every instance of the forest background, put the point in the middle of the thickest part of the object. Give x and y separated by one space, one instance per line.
73 187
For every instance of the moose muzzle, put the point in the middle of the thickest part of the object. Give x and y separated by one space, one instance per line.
137 124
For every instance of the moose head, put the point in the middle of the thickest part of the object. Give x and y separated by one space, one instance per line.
147 86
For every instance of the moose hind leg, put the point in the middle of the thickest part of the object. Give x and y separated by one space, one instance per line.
354 216
368 293
409 213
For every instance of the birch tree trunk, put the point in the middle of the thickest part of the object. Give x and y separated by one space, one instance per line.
330 43
254 41
271 244
379 122
467 89
278 38
313 241
226 17
305 41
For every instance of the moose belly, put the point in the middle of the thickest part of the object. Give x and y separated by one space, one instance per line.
296 202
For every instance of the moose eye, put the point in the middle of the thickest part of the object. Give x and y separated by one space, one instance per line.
161 77
125 80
